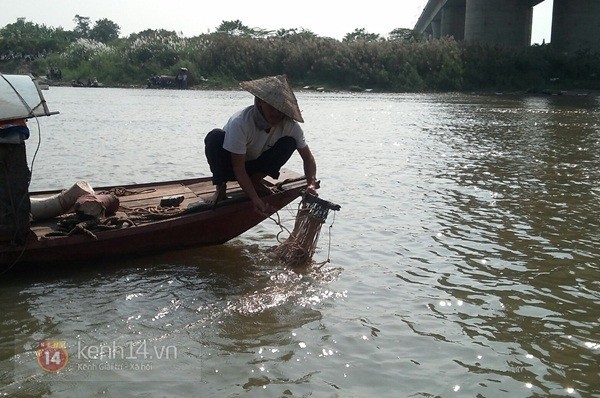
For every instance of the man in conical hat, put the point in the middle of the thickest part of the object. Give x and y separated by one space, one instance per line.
258 140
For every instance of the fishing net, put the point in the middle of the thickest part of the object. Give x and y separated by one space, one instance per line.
299 248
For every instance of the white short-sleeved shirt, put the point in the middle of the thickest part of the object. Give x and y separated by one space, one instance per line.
245 133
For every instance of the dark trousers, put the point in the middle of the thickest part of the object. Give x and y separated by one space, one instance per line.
268 163
14 193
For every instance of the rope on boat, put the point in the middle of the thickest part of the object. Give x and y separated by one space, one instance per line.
121 191
154 212
75 224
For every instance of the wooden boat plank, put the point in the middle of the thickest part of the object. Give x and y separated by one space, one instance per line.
42 230
132 204
156 193
204 188
153 199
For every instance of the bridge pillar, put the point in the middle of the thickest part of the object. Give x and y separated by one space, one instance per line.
435 29
453 21
503 22
576 25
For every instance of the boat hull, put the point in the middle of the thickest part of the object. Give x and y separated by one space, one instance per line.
211 226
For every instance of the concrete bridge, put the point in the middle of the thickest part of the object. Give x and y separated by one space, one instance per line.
575 23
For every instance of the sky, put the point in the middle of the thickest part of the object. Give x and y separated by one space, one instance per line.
193 17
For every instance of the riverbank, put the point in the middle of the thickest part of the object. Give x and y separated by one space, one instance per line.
207 86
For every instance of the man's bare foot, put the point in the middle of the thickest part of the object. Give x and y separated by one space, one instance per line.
219 195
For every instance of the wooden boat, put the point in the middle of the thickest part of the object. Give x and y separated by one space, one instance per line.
198 225
143 223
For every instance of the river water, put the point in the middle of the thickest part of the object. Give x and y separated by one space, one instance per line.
465 260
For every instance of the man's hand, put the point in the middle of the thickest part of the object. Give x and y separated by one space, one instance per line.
312 188
262 208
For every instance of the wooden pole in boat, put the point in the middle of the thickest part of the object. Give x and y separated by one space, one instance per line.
14 193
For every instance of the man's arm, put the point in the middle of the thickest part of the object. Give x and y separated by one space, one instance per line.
238 162
310 169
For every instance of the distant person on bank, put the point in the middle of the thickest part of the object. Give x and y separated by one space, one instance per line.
258 140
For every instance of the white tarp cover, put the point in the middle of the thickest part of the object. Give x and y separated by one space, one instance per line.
21 98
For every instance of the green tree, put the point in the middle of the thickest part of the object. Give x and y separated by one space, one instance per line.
361 35
24 37
234 28
287 33
154 50
405 34
152 34
237 28
104 31
82 25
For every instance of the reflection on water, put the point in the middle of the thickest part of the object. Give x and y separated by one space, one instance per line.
202 302
464 260
520 220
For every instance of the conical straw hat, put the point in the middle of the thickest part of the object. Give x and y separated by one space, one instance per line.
275 91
